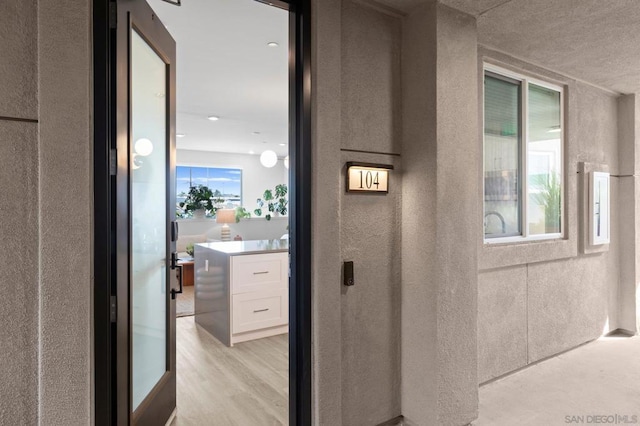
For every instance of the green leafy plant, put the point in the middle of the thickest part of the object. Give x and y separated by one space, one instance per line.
549 197
241 213
190 249
275 201
201 197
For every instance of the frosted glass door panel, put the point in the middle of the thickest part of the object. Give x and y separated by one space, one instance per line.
148 218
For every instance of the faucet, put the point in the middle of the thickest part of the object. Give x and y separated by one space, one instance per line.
494 213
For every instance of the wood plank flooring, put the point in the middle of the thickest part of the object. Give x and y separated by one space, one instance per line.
246 385
185 305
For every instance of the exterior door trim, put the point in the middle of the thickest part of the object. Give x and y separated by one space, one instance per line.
104 313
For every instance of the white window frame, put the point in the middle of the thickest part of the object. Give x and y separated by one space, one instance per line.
523 175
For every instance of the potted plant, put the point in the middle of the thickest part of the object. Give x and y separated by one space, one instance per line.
199 200
549 198
241 213
276 202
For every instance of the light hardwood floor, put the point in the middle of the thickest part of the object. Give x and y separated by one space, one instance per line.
246 385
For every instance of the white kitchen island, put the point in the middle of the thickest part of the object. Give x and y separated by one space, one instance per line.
242 289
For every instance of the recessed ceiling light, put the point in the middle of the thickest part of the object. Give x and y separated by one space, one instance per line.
255 133
283 144
213 118
272 44
180 135
251 152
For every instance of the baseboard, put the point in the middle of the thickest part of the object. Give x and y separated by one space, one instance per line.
533 364
620 332
396 421
404 422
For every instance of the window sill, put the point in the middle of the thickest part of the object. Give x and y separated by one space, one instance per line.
213 219
514 251
521 240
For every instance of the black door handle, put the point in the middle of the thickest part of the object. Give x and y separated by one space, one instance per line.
180 269
174 231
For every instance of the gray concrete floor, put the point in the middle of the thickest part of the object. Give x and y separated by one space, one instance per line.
601 378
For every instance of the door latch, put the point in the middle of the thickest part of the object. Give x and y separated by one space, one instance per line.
180 268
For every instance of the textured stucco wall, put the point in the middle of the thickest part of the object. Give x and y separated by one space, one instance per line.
45 79
439 251
419 149
457 184
370 236
326 261
356 331
19 66
19 206
370 224
551 297
64 57
629 208
370 84
19 274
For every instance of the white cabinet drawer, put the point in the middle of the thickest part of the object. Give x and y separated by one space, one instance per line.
259 272
254 311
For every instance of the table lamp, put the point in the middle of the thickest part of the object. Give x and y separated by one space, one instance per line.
225 216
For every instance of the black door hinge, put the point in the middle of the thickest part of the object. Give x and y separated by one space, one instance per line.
113 15
113 162
113 309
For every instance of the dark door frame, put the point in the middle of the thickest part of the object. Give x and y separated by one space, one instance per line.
105 367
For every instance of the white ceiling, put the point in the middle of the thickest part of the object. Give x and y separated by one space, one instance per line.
597 41
226 69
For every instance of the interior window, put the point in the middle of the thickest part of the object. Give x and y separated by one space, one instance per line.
225 185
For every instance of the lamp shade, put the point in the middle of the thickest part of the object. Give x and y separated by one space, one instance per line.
226 216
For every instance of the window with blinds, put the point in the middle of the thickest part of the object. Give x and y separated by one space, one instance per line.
523 176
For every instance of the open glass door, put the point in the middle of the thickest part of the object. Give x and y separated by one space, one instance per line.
146 276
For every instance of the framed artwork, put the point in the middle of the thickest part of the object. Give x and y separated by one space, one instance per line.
599 208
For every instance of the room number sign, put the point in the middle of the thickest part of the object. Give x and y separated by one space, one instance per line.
367 177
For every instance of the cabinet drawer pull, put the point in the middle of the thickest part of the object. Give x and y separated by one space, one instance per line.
261 272
261 310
